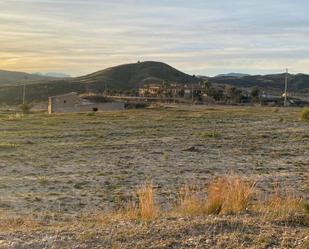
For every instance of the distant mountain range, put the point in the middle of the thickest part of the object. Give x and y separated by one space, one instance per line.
16 78
123 77
133 76
239 75
54 75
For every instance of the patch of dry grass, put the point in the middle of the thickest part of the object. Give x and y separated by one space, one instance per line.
190 202
147 207
229 195
283 205
226 195
129 212
10 222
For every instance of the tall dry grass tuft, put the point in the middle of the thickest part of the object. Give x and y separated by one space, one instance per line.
226 195
229 195
147 207
190 202
144 208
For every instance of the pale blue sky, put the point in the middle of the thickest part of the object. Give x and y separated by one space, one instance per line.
198 36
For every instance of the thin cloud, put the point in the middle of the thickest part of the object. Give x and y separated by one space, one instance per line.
199 37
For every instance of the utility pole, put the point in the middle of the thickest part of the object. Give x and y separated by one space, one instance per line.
24 93
286 88
192 93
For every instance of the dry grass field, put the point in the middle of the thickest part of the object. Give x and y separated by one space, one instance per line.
217 177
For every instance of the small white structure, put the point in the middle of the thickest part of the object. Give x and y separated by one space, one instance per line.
71 102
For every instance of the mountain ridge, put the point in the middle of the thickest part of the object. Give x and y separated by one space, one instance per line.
233 74
134 75
121 77
15 77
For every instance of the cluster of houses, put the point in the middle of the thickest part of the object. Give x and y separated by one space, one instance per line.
171 90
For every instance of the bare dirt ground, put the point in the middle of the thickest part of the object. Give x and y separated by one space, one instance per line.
167 232
76 163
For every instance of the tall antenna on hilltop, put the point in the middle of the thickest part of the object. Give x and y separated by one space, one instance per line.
286 88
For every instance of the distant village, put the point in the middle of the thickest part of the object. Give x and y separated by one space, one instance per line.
165 92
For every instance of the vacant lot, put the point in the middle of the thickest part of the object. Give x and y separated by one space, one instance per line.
77 163
74 162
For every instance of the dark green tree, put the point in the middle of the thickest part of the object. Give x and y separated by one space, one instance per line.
255 94
232 94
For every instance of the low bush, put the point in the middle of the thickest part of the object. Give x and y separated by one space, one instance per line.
304 115
210 134
25 108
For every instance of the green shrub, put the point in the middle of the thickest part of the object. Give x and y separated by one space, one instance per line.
210 134
7 145
25 108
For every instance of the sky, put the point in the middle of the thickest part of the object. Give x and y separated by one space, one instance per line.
202 37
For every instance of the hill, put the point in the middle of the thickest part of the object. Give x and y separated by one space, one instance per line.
123 77
274 83
135 75
16 78
54 74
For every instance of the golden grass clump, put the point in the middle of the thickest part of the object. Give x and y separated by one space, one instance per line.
147 207
304 115
229 195
282 204
226 195
144 208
